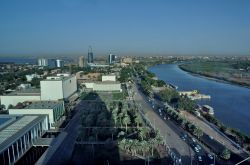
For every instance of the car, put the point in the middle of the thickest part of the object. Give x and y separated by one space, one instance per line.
193 139
165 118
199 158
161 114
183 138
211 137
196 149
210 156
199 147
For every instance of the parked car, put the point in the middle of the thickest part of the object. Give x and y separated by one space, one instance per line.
199 147
196 149
210 156
199 158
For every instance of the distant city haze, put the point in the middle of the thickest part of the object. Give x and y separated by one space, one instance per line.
124 27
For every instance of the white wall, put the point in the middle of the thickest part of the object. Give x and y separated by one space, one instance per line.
58 89
51 90
107 87
108 78
89 85
69 86
13 100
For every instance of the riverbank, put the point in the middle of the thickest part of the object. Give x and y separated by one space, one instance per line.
216 77
222 100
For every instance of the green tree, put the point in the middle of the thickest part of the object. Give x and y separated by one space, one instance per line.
126 120
198 132
225 154
138 120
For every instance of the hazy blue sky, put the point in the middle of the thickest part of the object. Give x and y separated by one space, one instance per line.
125 26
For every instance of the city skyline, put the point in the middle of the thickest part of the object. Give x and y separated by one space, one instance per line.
124 28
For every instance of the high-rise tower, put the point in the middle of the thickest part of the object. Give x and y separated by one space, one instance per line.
90 55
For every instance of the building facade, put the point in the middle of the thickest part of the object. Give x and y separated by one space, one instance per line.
18 136
42 62
111 58
81 62
59 87
59 63
20 96
108 78
53 109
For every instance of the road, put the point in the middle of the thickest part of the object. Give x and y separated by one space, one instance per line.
169 131
63 154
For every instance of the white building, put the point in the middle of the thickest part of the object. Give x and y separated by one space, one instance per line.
43 62
109 78
30 77
20 96
24 86
107 86
58 87
59 63
54 109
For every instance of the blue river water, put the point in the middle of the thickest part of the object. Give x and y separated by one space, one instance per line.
231 103
19 60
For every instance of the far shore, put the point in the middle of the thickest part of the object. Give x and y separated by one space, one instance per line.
218 79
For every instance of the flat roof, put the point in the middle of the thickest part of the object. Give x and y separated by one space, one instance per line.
58 78
43 105
17 128
26 92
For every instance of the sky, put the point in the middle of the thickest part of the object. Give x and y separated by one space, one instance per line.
125 27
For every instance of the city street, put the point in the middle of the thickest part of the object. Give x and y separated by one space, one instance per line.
170 132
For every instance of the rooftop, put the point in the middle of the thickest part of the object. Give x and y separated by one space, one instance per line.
43 105
16 129
57 78
26 92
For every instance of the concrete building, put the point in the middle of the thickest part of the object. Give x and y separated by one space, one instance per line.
111 58
110 77
24 86
30 77
53 109
58 87
59 63
17 135
43 62
127 60
20 96
106 86
81 62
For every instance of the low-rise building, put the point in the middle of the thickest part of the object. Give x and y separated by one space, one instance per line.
110 77
15 97
53 109
106 86
30 77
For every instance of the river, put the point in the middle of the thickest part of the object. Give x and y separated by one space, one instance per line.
231 103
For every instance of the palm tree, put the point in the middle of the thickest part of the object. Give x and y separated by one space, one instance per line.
126 120
198 132
96 131
120 115
142 133
225 154
138 120
152 143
